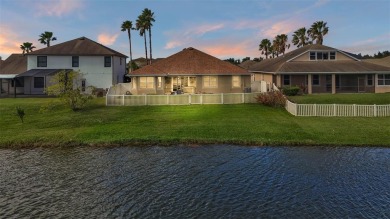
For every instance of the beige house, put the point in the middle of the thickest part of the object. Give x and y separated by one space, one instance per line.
190 71
322 69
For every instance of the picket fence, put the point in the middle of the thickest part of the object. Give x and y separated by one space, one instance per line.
345 110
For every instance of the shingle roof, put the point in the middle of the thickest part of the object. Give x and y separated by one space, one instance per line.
79 46
14 64
190 61
383 61
282 64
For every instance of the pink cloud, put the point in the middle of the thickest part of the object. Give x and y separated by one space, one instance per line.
57 8
10 42
282 27
107 39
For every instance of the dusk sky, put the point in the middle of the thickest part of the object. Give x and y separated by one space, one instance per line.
223 28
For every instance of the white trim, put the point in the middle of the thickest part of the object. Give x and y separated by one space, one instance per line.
321 50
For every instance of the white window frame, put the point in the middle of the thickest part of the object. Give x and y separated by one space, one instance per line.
146 82
384 79
207 82
236 81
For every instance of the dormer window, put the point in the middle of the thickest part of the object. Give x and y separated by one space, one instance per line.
312 55
322 55
332 55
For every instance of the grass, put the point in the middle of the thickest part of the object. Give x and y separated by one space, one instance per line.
244 124
363 99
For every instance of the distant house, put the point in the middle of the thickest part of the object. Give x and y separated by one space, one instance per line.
15 64
190 71
322 69
101 66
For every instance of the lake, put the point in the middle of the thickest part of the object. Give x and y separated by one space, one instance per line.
214 181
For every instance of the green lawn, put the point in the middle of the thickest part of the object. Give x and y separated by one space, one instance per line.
379 99
247 124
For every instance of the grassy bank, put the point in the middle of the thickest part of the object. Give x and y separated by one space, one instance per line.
247 124
363 99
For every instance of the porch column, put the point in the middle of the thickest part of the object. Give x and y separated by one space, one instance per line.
309 83
278 80
333 83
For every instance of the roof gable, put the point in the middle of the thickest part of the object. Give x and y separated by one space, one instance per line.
79 46
190 61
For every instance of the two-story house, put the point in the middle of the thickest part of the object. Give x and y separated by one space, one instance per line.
322 69
100 66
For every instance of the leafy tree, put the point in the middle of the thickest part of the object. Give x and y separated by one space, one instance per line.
27 47
317 31
142 27
299 38
66 86
46 38
148 17
128 26
264 47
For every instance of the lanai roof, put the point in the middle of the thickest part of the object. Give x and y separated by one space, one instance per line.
284 63
190 61
79 46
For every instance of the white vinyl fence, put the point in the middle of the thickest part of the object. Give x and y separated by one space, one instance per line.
184 99
346 110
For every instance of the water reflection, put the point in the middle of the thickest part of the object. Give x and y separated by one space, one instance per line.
196 182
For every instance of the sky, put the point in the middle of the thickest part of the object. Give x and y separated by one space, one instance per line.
222 28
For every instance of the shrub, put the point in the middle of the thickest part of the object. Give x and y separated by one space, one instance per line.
272 98
290 91
20 113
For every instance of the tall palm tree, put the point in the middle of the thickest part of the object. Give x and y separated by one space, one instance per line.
281 43
264 47
46 38
299 38
317 31
27 47
275 47
140 25
128 26
148 16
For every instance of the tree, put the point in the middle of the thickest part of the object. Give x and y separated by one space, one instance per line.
66 86
46 38
299 38
148 17
317 31
27 47
275 48
280 44
128 26
264 47
141 27
246 59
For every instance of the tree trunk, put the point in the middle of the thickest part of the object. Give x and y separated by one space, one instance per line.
131 56
150 44
146 50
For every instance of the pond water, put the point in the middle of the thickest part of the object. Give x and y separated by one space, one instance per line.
219 181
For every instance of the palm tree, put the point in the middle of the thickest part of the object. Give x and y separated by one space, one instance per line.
317 31
300 38
281 43
46 37
148 16
128 25
27 47
275 47
264 47
141 27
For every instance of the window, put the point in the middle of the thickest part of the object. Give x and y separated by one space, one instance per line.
312 55
319 55
332 55
369 80
236 81
315 80
384 79
146 82
107 61
325 56
39 82
286 79
210 81
75 61
159 82
41 61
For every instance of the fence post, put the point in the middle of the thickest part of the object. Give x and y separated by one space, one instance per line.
189 99
243 98
375 111
315 109
354 109
334 110
146 101
167 99
201 98
296 109
123 100
221 98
